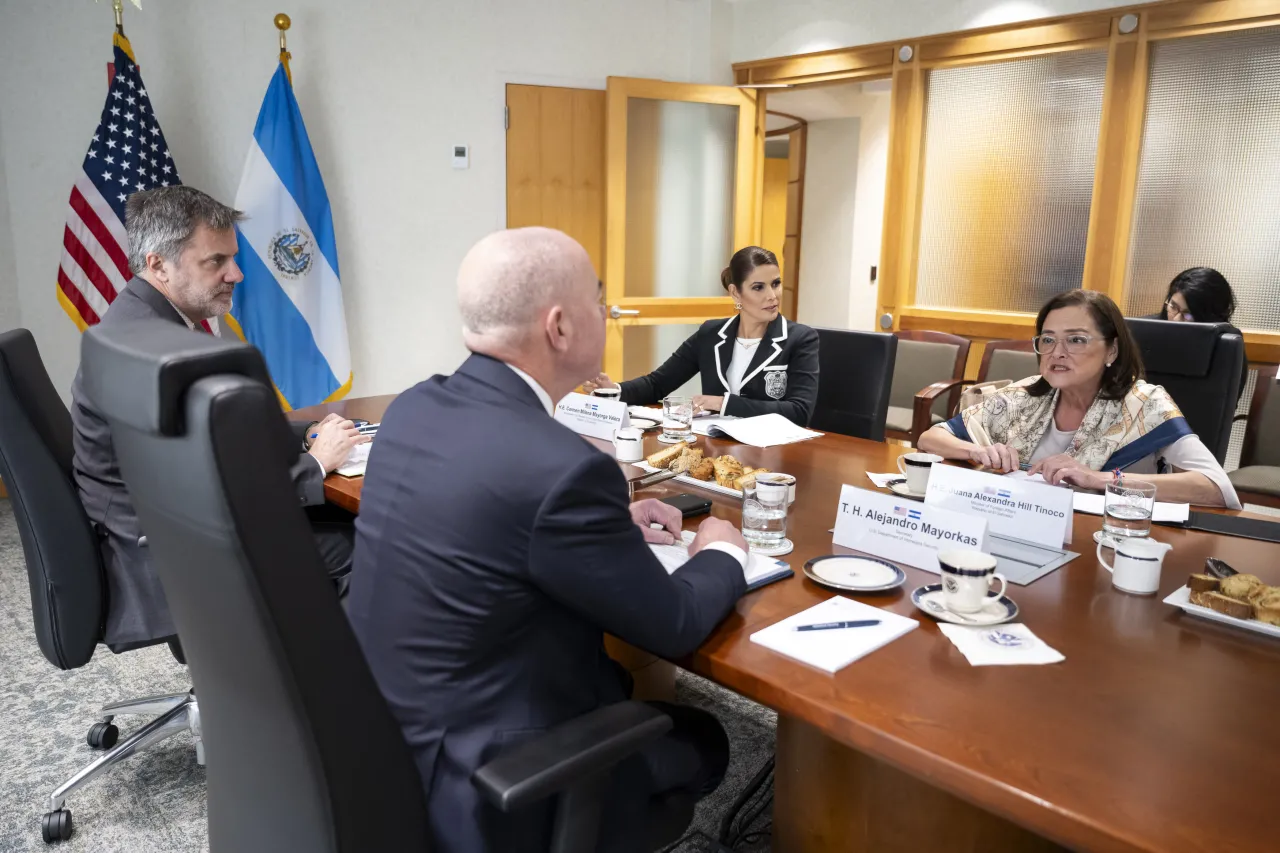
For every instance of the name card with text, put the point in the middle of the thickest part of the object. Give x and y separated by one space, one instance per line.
593 416
1015 508
901 530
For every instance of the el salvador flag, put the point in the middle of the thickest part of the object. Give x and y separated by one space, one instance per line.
290 303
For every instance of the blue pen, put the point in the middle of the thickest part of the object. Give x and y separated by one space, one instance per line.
827 626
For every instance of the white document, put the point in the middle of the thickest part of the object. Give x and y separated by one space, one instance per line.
882 481
593 416
1000 645
703 424
759 570
759 431
356 461
1170 513
837 648
1016 508
901 530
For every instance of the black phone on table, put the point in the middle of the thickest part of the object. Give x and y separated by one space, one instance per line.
689 505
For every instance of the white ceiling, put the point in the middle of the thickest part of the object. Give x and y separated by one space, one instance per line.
818 103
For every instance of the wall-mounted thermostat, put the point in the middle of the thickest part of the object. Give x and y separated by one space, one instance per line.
461 157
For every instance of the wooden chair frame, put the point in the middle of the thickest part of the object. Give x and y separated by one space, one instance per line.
922 405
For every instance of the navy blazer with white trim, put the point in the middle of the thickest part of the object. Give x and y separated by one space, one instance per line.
782 376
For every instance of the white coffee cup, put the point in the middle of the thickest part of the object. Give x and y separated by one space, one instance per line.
916 467
966 580
776 477
614 393
1138 564
628 444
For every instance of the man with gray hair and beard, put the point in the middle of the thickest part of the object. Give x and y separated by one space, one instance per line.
494 548
182 247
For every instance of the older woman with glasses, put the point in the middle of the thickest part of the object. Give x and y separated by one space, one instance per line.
1089 416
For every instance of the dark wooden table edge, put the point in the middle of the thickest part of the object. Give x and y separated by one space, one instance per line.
1019 807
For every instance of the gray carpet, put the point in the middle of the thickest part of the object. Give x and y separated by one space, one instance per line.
155 801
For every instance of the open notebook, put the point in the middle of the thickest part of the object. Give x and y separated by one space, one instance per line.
759 570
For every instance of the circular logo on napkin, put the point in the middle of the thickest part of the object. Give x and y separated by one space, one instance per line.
1005 640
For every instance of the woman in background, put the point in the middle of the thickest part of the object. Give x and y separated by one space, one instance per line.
1088 418
1202 295
753 363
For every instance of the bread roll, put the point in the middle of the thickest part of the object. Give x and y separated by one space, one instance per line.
1203 583
663 458
704 470
1238 586
1267 608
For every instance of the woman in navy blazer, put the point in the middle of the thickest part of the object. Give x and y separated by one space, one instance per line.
753 363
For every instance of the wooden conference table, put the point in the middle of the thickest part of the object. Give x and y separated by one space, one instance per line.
1160 731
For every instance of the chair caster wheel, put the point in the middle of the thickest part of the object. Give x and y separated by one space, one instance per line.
56 826
103 735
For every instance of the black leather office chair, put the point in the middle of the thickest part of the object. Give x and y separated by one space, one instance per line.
855 371
1199 364
303 752
64 565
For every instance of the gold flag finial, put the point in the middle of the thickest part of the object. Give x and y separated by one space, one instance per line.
282 24
117 6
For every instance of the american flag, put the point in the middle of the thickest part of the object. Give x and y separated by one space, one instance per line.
128 154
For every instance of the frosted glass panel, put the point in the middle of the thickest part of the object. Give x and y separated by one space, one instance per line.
680 178
646 347
1209 181
1009 153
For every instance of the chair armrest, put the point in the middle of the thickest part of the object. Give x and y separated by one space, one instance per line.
1243 417
569 753
922 406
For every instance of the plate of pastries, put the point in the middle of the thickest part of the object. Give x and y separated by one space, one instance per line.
1224 595
724 474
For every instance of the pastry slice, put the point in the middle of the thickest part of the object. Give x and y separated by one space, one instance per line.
1202 583
663 458
704 470
687 460
1267 608
1238 586
1229 606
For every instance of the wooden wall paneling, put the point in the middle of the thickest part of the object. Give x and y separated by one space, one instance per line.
903 185
1017 38
845 62
1116 169
775 209
797 153
1200 17
587 217
524 196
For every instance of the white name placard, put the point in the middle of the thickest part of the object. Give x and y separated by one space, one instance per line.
902 530
593 416
1014 507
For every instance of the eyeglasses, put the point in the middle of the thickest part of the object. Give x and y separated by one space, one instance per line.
1076 344
1175 312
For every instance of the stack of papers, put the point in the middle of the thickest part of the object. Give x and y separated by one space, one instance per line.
759 570
760 431
1163 512
837 648
356 462
1000 645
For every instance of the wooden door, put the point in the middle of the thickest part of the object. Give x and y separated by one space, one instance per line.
555 163
684 180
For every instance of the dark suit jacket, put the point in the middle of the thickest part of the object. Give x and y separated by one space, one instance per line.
493 549
137 612
782 376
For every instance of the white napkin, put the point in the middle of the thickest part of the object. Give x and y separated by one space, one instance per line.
882 480
999 645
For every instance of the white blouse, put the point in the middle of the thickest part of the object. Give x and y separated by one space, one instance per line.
743 350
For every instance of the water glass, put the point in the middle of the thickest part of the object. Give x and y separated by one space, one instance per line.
677 418
764 514
1127 507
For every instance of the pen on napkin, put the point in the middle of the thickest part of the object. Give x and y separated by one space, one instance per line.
827 626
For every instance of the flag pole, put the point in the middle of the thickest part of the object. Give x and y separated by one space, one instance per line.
117 6
282 24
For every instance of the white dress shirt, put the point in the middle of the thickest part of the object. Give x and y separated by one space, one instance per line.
545 398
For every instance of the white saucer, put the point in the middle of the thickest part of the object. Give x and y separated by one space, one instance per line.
855 574
929 599
904 491
786 547
665 440
643 423
1102 538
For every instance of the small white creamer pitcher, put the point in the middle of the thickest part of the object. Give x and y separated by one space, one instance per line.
1138 564
628 444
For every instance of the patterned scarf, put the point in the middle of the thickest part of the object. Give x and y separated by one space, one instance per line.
1113 434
